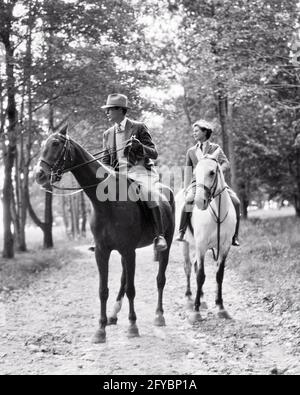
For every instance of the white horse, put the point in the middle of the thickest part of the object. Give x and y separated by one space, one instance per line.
212 227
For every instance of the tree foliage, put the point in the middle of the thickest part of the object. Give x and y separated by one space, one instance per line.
246 54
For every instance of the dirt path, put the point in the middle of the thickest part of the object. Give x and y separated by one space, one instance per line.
49 326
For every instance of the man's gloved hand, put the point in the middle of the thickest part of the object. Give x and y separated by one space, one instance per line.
135 143
133 146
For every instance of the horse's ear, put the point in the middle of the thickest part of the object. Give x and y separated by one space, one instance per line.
64 130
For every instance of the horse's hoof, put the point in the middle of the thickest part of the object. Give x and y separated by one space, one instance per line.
112 321
159 320
133 331
223 314
194 318
99 337
203 306
189 305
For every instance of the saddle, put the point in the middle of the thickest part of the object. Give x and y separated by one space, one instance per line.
134 192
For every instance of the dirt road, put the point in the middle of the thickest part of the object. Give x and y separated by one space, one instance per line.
47 328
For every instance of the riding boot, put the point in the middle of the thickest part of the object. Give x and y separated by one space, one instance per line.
160 243
184 221
235 239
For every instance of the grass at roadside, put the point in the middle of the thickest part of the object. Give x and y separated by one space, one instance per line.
269 258
26 267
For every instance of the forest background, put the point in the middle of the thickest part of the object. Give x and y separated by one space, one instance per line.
233 62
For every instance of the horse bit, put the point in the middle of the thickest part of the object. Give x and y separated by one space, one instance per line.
57 170
212 190
212 195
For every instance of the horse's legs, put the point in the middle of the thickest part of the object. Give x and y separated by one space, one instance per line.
161 281
102 258
113 318
195 317
222 313
129 263
200 282
187 268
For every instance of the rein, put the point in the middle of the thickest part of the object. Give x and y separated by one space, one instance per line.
219 223
57 172
211 196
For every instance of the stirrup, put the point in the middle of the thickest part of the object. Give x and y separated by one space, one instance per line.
235 241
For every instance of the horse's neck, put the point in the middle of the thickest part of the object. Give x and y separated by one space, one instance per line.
90 175
221 185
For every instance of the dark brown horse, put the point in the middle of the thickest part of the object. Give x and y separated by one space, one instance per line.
116 225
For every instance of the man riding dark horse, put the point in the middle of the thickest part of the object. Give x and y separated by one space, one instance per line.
129 149
202 131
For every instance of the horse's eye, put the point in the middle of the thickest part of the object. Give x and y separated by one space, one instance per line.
55 144
212 173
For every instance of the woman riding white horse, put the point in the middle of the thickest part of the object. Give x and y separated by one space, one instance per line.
212 226
202 131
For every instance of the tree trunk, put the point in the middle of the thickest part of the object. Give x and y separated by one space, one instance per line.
8 237
244 206
244 197
23 160
65 215
186 108
74 223
47 228
19 203
234 183
48 238
9 150
83 215
297 205
297 195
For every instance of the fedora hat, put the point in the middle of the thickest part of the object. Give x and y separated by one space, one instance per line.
116 100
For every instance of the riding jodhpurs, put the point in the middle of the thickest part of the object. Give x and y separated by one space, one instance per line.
148 191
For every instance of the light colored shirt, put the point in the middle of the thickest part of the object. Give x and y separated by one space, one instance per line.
122 124
120 142
199 151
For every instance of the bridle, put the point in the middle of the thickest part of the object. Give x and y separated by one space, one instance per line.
211 192
58 169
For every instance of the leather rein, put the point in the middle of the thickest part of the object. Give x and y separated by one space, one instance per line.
58 169
211 196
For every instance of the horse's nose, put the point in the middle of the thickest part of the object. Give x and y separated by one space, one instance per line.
40 175
201 202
